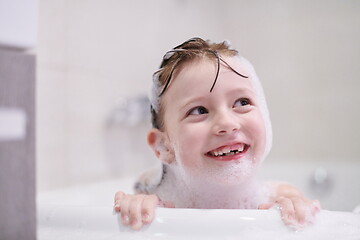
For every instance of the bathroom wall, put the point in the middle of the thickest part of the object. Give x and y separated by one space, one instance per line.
18 34
17 145
94 54
306 54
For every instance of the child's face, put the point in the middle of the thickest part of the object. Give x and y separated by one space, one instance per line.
202 126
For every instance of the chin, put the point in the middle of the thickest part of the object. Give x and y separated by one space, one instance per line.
235 179
228 175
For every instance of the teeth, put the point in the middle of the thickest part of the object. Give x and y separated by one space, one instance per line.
226 151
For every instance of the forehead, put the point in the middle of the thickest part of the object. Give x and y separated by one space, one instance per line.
197 77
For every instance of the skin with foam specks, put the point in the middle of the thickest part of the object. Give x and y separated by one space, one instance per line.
211 145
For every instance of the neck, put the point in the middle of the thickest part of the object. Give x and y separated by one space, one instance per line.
197 193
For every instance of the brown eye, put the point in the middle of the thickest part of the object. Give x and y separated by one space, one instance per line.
198 111
242 102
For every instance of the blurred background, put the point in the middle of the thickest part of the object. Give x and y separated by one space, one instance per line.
95 61
94 55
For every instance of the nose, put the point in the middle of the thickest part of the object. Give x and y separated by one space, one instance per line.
225 123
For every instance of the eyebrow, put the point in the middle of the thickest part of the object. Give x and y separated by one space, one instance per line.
242 90
191 100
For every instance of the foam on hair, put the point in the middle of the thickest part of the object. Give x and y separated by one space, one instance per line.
242 170
174 59
200 47
262 102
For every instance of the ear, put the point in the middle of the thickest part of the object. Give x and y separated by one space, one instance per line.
159 143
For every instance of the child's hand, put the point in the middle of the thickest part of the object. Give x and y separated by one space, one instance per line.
296 210
137 209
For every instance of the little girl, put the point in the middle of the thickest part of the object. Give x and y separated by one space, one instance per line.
211 131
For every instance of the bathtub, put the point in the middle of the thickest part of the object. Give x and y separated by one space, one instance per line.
86 212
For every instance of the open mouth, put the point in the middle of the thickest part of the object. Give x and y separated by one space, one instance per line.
228 150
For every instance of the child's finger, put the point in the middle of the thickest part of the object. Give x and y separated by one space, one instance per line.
265 205
166 204
316 207
135 211
124 209
287 210
119 195
117 200
148 208
301 208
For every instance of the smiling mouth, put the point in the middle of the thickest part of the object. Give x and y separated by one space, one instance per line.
228 150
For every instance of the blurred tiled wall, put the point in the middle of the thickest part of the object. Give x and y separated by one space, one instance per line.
93 53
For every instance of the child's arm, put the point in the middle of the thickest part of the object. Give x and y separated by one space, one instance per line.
294 207
137 209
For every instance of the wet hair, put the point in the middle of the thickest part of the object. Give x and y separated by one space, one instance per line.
175 59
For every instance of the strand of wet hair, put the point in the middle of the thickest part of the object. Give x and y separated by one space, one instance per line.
174 65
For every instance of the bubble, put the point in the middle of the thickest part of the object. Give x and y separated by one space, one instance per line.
233 186
215 184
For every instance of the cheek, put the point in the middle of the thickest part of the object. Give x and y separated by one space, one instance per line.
258 131
188 145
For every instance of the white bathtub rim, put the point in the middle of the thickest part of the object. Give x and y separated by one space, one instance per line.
176 223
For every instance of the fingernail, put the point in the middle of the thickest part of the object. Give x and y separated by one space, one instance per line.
136 225
146 217
125 219
134 222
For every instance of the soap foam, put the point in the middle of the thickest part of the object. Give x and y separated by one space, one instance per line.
154 97
218 185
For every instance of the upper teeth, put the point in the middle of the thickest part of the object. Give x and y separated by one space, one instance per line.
225 151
